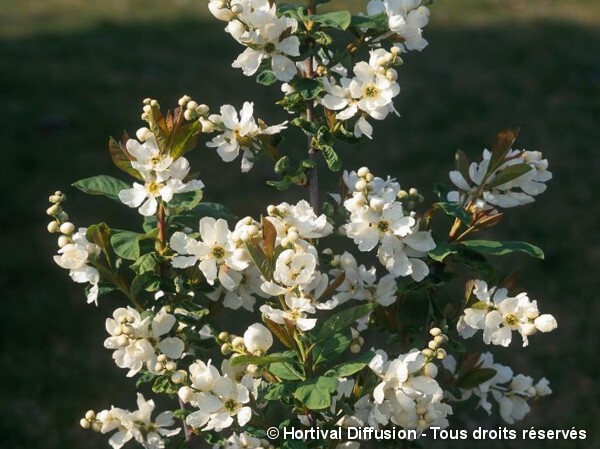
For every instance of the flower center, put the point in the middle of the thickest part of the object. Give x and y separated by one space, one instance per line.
269 47
511 319
383 226
153 188
218 252
371 91
230 405
156 159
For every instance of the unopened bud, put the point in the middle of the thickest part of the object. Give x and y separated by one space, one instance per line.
84 423
162 358
441 354
237 9
355 348
171 366
225 348
223 336
67 228
185 394
363 171
202 109
184 100
427 353
189 115
207 126
90 415
52 210
53 227
238 343
63 241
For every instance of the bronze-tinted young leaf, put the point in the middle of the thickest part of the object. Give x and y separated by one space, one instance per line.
333 287
468 363
509 174
184 138
121 158
280 333
488 221
501 146
269 234
461 162
100 235
469 286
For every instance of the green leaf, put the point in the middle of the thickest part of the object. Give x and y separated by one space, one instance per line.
309 88
342 320
266 78
509 174
146 281
186 201
332 347
260 260
185 139
333 160
100 235
475 378
285 371
258 360
374 22
126 244
278 391
315 394
441 251
147 263
102 185
337 19
501 248
350 368
454 210
282 165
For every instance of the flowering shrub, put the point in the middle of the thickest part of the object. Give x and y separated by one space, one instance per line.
310 306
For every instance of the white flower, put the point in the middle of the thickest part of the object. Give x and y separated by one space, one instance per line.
147 155
245 441
218 409
137 425
296 313
137 341
218 255
498 315
240 133
300 218
258 338
75 257
266 43
517 192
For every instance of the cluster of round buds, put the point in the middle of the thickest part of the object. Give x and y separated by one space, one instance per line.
411 198
366 177
227 342
387 61
149 106
193 110
246 229
90 421
60 223
434 349
357 341
164 365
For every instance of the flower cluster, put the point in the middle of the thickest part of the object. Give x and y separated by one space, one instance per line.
406 19
163 176
254 23
486 187
240 132
220 399
512 392
498 315
140 341
408 394
75 251
369 93
378 218
137 425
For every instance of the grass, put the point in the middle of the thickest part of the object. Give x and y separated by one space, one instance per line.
74 72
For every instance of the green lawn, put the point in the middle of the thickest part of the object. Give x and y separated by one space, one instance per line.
73 72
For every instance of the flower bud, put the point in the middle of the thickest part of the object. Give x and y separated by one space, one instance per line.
391 75
355 348
178 376
430 370
433 345
427 353
225 348
395 50
191 105
55 199
159 367
53 227
123 340
441 354
207 126
96 426
52 210
189 115
360 185
171 366
237 9
257 338
84 423
63 241
67 228
202 109
90 415
545 323
435 331
223 336
162 358
184 100
363 171
185 394
413 192
402 195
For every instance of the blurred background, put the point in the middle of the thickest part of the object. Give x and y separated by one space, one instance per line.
73 72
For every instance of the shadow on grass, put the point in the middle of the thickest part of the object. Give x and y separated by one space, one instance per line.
62 95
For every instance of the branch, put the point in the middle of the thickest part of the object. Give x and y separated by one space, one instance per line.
313 175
